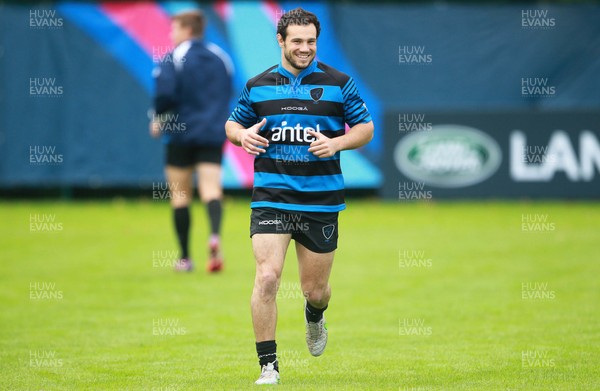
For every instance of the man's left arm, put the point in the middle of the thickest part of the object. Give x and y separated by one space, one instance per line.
357 116
358 135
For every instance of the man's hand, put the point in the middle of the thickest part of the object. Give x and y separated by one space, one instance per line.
154 128
251 141
323 146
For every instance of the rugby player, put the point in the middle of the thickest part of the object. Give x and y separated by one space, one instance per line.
292 119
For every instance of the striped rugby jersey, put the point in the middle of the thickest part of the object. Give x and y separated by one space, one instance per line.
320 98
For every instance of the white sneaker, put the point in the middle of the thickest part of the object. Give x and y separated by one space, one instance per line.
316 335
268 375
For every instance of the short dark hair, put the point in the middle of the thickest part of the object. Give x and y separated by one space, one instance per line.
192 19
298 17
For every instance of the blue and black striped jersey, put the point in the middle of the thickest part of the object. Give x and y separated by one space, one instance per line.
320 98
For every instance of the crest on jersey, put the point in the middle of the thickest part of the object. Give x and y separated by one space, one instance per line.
328 231
316 94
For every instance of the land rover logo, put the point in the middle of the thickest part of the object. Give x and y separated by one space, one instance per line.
448 156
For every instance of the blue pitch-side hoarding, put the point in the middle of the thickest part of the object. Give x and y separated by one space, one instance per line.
75 115
510 154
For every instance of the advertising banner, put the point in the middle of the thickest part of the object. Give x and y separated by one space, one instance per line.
504 155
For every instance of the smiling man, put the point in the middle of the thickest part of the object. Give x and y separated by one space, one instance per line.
292 119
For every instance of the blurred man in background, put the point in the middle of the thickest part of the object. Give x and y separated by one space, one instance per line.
193 88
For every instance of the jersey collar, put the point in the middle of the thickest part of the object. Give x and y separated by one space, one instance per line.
191 41
306 71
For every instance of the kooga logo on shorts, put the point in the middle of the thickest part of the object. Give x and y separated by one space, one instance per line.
448 156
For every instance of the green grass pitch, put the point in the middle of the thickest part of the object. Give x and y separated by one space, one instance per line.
426 296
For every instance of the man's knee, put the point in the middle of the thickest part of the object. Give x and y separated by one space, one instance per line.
180 200
207 196
317 295
266 284
209 182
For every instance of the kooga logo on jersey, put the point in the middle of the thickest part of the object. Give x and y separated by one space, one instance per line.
448 156
294 108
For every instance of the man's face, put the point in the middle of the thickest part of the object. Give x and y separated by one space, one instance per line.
299 47
179 33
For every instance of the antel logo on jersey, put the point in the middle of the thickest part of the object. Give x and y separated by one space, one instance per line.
448 156
294 108
297 133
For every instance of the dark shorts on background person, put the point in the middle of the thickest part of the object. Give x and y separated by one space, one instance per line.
180 155
317 231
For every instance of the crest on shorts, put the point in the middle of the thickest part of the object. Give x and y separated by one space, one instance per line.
328 231
316 94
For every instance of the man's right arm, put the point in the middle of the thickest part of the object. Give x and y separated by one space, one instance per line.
249 139
232 129
164 98
246 138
